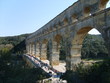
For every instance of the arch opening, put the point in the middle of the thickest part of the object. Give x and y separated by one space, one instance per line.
74 18
103 4
87 11
108 4
82 47
54 51
59 47
89 45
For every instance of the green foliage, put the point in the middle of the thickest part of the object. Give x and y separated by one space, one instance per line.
19 48
17 43
97 73
94 47
14 70
14 40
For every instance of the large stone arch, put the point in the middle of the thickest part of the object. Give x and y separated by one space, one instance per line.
80 34
54 47
76 41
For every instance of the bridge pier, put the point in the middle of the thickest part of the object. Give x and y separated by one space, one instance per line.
73 23
31 50
54 58
54 53
43 52
72 62
109 48
37 54
74 58
106 36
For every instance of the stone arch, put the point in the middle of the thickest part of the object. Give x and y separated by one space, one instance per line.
81 33
77 41
54 47
65 21
59 24
57 42
75 47
103 4
87 11
74 17
54 27
50 29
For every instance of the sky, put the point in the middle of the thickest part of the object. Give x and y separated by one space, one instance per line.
26 16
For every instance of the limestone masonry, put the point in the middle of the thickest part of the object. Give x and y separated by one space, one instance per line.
71 25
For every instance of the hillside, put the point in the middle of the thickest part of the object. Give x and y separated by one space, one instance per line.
14 40
15 43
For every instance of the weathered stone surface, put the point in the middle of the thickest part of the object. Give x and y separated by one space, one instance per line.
54 59
72 62
72 24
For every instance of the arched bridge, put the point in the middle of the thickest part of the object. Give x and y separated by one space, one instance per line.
71 25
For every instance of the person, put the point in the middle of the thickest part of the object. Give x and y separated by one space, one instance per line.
50 73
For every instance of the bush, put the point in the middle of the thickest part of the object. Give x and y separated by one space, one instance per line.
14 70
97 73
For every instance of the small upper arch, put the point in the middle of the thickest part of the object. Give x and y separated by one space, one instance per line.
103 4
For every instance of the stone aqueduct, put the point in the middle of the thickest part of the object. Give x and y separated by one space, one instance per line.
71 25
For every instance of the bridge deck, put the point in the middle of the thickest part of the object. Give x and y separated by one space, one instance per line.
46 67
